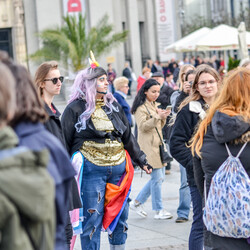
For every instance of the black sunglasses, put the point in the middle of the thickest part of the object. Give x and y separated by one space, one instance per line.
55 80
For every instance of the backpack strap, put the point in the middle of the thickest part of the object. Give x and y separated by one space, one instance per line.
228 151
238 155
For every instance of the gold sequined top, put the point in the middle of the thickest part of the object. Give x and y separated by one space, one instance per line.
111 152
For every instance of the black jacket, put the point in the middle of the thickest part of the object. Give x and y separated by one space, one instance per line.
127 73
53 124
164 97
182 132
222 129
122 132
164 100
179 100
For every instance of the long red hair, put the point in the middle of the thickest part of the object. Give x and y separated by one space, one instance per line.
234 99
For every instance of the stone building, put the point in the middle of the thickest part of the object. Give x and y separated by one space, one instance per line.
12 30
21 21
152 24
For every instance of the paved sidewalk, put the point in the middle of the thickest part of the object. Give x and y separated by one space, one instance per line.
150 234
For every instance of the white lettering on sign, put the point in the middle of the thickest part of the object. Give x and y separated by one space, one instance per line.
165 27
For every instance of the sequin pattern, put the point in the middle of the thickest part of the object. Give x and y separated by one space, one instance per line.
111 152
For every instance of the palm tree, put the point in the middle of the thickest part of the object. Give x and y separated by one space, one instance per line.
71 43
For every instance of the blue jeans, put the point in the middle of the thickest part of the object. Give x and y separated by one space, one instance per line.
153 187
93 188
184 195
196 234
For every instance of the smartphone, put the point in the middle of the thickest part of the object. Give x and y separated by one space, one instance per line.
169 107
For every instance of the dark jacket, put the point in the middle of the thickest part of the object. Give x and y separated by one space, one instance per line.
179 100
223 129
126 108
164 97
182 132
26 196
127 73
176 74
36 137
122 132
164 100
53 124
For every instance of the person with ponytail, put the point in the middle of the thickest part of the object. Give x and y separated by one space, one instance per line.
99 139
228 121
191 111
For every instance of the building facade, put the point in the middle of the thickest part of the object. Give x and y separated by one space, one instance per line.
152 24
12 30
22 20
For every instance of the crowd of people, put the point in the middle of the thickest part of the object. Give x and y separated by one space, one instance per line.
76 170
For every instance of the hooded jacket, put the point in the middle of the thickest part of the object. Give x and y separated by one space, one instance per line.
235 132
36 137
26 196
182 131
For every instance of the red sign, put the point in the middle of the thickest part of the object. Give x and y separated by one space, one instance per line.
74 6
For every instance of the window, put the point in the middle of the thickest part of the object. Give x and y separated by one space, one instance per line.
6 41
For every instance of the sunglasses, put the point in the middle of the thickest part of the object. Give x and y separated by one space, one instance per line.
55 80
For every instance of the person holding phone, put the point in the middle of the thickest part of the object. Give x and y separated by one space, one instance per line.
150 119
169 107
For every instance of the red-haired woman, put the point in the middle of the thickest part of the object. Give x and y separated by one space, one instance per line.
227 122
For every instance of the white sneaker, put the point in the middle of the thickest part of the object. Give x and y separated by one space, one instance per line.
163 215
138 207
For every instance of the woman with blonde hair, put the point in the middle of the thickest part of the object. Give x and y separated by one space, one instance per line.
192 109
121 85
226 125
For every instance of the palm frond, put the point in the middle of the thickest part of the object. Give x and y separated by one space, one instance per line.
72 43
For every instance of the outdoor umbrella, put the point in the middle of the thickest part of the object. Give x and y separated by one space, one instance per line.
187 43
222 37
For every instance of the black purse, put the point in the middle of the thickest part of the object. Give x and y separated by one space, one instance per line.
164 154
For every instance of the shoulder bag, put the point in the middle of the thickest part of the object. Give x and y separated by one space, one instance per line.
164 154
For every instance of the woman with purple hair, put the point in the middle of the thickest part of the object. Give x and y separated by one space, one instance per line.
99 138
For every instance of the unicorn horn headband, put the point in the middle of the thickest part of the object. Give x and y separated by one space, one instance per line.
92 61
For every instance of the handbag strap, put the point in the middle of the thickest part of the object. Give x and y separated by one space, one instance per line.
155 127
